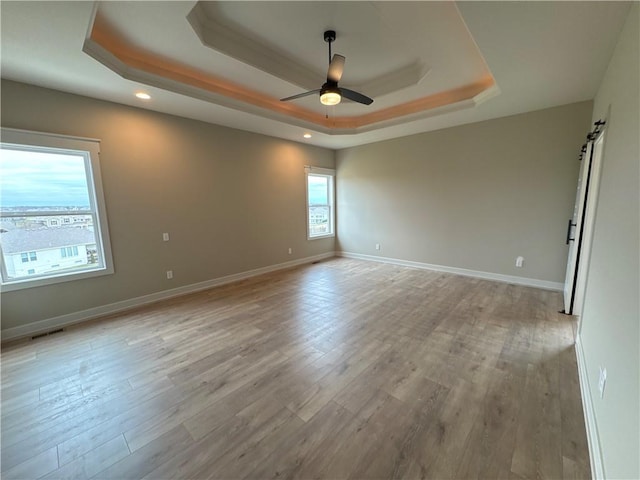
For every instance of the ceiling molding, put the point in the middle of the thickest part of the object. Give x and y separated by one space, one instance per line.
220 37
393 81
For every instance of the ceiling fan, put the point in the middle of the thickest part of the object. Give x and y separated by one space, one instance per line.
330 93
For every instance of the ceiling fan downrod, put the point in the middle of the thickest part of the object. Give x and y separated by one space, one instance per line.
330 36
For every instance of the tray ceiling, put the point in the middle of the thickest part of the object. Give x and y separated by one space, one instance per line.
428 65
246 55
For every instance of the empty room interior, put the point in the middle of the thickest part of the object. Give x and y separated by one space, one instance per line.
363 240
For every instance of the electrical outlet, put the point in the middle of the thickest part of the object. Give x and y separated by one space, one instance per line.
165 237
602 381
169 274
519 262
377 246
290 250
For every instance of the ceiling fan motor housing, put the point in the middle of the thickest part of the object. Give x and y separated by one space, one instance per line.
329 86
330 36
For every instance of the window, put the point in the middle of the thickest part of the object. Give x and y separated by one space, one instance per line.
320 203
52 215
28 257
69 252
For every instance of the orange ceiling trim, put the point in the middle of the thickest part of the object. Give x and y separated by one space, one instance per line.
104 36
429 102
107 38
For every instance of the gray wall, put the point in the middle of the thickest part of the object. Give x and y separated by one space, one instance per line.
610 323
231 201
473 197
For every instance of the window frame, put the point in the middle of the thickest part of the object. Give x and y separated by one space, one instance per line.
331 174
89 148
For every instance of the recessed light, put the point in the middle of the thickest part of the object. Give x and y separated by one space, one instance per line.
143 96
307 135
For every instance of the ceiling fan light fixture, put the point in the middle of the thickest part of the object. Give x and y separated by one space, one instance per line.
330 97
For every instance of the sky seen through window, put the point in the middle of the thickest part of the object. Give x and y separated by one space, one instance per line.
42 179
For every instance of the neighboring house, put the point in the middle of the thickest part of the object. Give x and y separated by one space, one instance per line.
33 252
34 223
64 221
318 220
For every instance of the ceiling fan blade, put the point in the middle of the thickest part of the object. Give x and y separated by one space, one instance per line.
355 96
300 95
335 68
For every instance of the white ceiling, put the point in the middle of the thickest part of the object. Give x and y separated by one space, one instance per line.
540 54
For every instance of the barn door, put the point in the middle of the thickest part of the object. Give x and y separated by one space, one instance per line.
574 229
580 226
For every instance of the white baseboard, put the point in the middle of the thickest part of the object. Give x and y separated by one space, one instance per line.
53 323
595 453
530 282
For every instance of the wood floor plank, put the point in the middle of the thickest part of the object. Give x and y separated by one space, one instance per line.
92 462
149 457
290 455
316 397
494 430
443 443
35 466
142 409
538 444
341 369
251 439
283 382
23 401
402 435
574 439
68 426
245 457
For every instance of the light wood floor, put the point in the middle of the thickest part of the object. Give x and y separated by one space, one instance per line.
343 369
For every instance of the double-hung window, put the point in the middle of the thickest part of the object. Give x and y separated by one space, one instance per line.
320 202
53 224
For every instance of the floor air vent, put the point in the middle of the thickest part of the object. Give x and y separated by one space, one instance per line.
52 332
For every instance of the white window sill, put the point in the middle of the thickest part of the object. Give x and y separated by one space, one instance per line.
318 237
53 279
